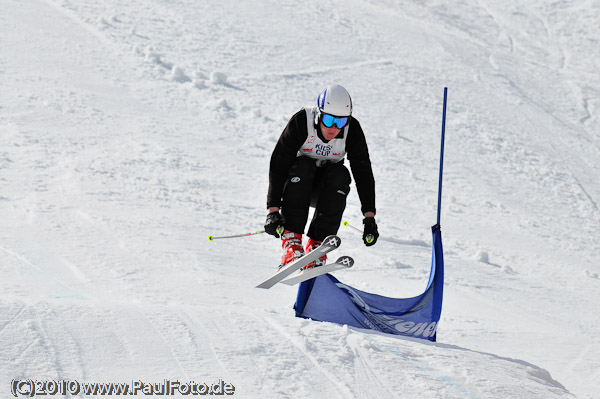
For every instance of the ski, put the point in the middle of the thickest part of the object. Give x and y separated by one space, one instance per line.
344 262
329 244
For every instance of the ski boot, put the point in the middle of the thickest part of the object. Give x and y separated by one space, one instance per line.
311 245
291 247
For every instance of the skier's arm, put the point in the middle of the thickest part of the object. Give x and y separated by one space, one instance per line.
360 163
283 157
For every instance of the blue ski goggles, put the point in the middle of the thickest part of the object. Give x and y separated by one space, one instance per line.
330 120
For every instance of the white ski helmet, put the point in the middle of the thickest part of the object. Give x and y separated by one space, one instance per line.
335 100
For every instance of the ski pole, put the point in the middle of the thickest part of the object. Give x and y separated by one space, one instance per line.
393 240
346 224
369 237
212 238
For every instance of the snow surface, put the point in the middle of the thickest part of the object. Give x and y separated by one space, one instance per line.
130 131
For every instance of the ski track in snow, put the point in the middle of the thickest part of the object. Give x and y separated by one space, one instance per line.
342 390
132 131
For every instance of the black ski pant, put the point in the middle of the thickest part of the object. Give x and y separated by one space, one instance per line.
325 188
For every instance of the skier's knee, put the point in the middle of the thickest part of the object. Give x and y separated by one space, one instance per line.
303 170
341 180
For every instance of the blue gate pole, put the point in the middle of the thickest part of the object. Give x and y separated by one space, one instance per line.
439 206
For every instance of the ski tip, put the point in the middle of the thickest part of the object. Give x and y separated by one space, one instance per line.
333 241
346 261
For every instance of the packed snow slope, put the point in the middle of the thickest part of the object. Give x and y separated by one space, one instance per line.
130 131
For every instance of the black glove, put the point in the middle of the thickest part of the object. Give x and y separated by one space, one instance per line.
370 233
274 224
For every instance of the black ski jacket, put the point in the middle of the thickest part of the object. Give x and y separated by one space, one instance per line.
286 151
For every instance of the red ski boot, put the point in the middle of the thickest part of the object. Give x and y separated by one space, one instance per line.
291 247
310 246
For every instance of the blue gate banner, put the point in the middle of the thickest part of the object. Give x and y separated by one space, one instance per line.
325 298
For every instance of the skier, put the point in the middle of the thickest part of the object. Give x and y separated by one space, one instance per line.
307 169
